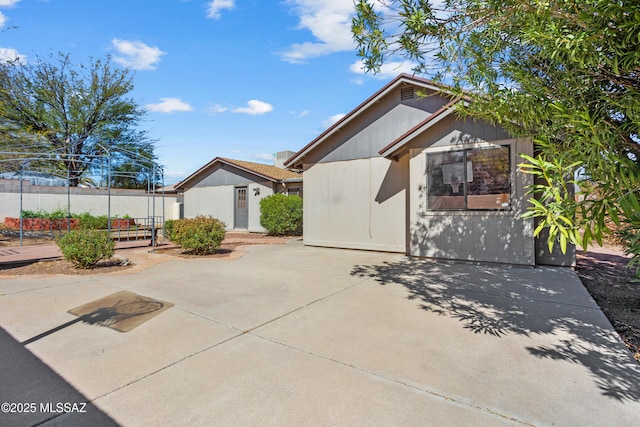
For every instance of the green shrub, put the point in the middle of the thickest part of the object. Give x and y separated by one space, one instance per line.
201 235
167 228
281 215
87 220
34 214
58 214
84 248
90 222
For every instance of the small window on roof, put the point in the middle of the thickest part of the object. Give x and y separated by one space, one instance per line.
406 93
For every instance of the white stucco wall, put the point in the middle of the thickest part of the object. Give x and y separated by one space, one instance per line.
490 236
214 201
134 203
219 201
356 204
254 206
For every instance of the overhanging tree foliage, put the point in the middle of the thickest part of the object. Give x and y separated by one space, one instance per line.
70 115
565 72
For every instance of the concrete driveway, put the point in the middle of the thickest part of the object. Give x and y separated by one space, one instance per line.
293 335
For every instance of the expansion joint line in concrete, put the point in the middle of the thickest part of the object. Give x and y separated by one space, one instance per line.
241 333
412 387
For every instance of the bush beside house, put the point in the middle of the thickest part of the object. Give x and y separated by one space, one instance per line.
281 215
201 235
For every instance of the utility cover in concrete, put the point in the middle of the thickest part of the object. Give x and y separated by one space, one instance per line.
122 311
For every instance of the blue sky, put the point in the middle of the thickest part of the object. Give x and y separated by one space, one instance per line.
231 78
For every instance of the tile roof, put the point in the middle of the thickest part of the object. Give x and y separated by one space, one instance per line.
268 171
272 173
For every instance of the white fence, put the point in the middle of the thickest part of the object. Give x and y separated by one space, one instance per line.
134 203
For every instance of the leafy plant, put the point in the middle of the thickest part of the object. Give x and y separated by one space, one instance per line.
91 222
630 235
201 235
562 72
281 215
33 214
168 228
552 203
79 109
84 248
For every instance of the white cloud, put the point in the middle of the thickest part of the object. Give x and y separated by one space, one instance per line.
216 108
264 157
137 55
174 176
300 114
3 19
254 107
8 3
8 54
388 70
330 23
215 6
169 105
332 120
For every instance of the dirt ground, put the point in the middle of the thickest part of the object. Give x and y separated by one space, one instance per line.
615 289
229 249
602 270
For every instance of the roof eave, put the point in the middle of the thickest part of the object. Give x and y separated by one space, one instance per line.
252 172
295 161
182 184
398 146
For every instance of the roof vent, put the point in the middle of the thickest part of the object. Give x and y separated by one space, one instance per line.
406 93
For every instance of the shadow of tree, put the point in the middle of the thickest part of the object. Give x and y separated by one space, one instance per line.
499 300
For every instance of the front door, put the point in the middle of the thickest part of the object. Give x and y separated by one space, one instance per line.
241 216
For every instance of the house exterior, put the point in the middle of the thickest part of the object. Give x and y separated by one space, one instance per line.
402 173
231 190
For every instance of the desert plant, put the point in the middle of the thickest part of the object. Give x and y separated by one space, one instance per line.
34 214
168 228
91 222
84 248
281 215
201 235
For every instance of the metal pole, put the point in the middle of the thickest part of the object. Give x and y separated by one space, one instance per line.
163 212
68 200
21 207
109 192
153 215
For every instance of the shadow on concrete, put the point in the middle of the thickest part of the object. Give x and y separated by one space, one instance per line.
49 399
499 300
122 311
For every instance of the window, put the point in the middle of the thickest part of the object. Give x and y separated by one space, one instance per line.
241 198
473 179
294 191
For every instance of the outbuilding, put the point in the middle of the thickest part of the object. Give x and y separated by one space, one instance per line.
230 190
403 173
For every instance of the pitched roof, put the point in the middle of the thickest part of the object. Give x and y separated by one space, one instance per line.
268 172
273 173
294 160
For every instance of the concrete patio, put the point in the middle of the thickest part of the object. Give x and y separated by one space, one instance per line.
294 335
